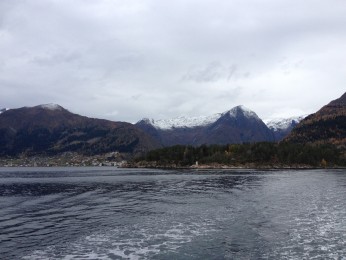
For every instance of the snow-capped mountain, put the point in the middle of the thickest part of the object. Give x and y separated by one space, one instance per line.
182 122
281 127
3 110
237 125
200 121
283 123
51 106
234 112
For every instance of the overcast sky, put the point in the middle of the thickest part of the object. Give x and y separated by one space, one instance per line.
128 59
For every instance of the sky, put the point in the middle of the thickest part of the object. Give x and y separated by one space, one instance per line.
127 59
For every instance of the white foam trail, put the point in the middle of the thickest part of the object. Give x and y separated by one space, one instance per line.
141 243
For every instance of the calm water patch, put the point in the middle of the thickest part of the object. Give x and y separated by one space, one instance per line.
108 213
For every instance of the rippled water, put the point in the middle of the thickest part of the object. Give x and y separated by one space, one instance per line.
107 213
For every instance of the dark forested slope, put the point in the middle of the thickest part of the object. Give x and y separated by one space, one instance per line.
51 129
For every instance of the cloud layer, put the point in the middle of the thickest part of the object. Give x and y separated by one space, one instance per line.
124 60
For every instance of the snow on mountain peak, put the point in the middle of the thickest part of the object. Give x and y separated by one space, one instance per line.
51 106
147 120
190 122
283 123
183 122
242 109
3 110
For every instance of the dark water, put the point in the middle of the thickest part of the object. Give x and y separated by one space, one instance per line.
104 213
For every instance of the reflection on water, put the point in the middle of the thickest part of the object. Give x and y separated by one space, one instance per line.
93 213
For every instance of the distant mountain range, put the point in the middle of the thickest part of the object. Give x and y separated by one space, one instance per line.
328 125
237 125
51 129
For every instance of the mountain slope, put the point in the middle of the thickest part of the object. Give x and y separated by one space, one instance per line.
51 129
237 125
328 125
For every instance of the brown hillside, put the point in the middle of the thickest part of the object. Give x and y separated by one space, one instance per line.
328 125
42 130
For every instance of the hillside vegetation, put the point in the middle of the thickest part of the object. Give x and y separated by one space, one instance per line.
326 126
257 154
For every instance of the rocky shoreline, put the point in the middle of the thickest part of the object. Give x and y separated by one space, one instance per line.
116 159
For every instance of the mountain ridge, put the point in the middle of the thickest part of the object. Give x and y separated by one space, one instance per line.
197 121
196 130
51 129
281 127
236 125
326 126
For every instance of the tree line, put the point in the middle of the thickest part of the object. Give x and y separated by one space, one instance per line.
262 153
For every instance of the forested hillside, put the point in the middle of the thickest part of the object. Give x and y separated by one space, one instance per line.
328 125
257 154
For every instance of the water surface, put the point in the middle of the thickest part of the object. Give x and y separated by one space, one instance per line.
108 213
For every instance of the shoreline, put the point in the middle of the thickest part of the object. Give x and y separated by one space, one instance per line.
175 167
109 160
231 167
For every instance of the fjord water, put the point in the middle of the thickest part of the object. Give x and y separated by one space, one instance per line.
107 213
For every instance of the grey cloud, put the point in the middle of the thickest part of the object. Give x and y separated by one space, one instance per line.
209 73
56 59
124 60
232 70
213 72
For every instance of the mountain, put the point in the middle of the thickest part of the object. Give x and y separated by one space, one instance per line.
3 110
237 125
182 122
328 125
51 129
281 127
